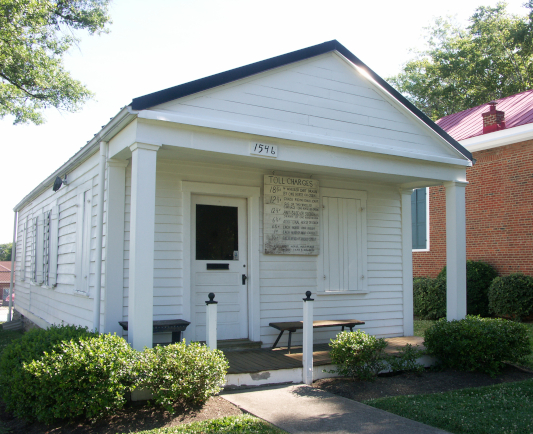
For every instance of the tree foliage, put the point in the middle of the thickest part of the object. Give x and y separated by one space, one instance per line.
464 67
34 37
5 251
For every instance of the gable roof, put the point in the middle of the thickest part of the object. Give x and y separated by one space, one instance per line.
202 84
518 111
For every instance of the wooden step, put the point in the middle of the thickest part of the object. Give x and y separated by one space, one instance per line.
13 325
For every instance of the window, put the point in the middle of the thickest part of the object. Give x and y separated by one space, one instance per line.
44 247
343 252
22 267
217 232
36 252
420 219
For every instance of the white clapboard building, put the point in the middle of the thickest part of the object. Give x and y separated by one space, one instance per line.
258 184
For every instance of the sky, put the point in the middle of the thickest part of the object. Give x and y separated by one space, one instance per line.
155 44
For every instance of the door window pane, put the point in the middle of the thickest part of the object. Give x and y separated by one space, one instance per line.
217 235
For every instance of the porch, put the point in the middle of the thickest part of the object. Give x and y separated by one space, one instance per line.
266 366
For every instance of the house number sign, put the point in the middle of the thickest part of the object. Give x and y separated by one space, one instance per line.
263 150
291 216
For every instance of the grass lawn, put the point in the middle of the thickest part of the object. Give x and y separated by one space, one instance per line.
500 409
231 424
421 325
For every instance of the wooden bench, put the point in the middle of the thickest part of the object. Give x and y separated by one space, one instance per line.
176 326
298 325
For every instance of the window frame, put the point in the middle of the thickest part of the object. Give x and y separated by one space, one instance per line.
427 248
22 266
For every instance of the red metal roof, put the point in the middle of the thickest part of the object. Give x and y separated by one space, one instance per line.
469 123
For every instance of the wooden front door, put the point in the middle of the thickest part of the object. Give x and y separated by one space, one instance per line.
219 262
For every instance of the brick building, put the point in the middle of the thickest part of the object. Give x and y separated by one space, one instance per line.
5 278
499 197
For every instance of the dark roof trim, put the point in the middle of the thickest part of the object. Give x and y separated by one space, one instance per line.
182 90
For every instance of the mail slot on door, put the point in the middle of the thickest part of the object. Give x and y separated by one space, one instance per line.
217 266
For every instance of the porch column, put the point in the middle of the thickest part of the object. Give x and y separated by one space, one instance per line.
141 263
455 250
114 248
407 262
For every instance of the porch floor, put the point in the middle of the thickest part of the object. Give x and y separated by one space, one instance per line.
266 359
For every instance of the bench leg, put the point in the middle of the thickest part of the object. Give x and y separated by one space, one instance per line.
342 329
277 340
176 337
290 335
351 328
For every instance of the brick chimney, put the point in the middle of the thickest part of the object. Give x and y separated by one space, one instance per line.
493 120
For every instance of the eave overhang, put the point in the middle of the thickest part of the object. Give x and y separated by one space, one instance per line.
119 121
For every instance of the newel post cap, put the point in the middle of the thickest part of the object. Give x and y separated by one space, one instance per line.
211 299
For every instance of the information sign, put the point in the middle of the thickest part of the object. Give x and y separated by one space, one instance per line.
291 215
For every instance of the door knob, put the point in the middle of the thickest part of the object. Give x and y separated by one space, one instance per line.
244 277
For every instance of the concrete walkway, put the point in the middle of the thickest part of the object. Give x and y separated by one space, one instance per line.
303 409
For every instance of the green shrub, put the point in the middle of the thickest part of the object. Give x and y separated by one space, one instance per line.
479 276
14 390
358 355
429 298
87 378
477 344
512 296
406 359
187 374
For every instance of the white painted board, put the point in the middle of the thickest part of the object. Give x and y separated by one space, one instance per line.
291 216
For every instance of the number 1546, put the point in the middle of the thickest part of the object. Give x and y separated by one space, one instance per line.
264 150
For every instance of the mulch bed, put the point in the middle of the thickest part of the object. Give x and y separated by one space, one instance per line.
132 419
137 417
416 384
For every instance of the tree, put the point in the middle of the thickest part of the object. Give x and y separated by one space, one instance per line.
34 37
5 251
465 67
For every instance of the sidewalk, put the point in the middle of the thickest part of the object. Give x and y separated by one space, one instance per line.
303 409
4 310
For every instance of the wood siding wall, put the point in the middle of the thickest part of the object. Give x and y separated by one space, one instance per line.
62 303
321 97
283 279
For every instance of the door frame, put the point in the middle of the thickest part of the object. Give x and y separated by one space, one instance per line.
252 194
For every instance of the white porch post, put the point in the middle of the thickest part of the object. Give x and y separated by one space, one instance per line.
114 272
307 350
407 262
142 225
455 250
211 322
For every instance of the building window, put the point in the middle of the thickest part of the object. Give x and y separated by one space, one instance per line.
46 247
420 219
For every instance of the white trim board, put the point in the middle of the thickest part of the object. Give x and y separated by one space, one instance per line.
499 138
278 133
